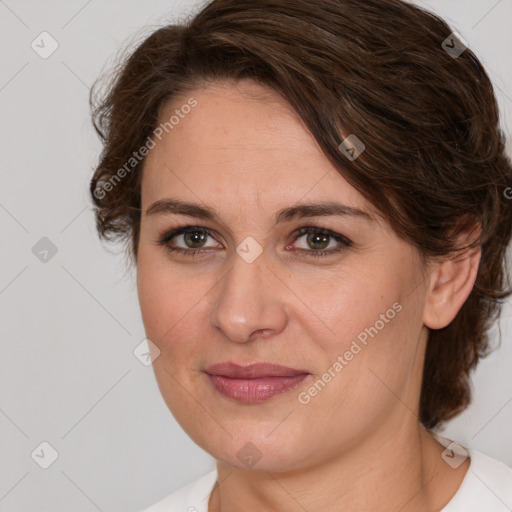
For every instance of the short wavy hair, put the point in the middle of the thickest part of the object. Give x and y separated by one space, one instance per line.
434 161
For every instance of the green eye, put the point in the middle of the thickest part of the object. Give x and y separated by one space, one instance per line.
194 238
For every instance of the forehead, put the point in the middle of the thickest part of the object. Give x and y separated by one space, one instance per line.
241 140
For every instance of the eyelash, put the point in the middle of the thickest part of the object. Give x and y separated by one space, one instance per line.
169 235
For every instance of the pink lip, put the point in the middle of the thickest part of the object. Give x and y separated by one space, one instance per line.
253 383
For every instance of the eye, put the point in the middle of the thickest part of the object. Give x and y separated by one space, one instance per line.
192 239
321 242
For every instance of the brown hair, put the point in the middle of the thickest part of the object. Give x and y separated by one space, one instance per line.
434 162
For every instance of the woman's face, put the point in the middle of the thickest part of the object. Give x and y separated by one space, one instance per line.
348 322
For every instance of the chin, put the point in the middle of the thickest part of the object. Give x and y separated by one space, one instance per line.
252 448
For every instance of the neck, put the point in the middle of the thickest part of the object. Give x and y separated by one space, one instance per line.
400 469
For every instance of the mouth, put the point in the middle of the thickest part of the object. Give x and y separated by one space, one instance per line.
254 383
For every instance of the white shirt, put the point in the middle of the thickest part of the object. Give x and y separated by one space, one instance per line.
486 487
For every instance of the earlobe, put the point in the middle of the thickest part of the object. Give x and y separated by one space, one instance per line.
451 282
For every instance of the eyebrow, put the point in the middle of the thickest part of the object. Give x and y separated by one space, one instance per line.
302 210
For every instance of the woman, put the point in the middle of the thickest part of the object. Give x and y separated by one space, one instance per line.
314 196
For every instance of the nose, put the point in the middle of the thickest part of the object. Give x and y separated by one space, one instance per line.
249 302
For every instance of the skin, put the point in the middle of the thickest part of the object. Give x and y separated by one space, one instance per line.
244 152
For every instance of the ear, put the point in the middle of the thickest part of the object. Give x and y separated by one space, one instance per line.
451 282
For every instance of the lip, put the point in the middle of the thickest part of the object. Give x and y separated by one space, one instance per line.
252 371
253 383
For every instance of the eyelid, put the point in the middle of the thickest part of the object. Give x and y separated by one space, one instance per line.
318 229
181 230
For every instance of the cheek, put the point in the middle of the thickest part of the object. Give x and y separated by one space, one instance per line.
174 307
348 305
155 304
368 330
364 374
371 304
163 299
374 362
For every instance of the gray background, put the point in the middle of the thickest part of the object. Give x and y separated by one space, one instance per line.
69 325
